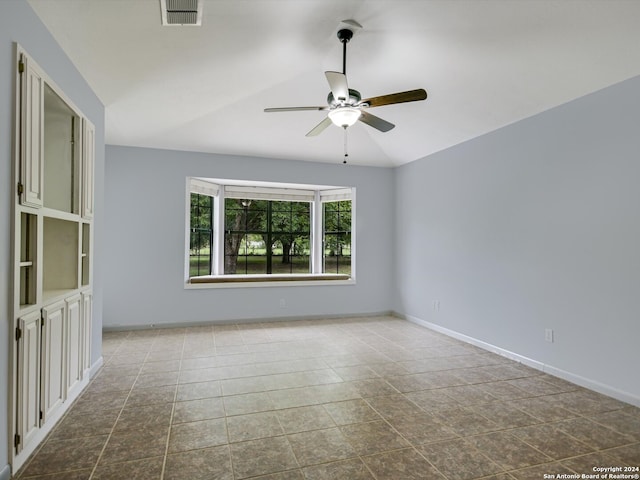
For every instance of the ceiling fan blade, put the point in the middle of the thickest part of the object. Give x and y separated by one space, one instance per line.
318 129
375 122
339 87
294 109
401 97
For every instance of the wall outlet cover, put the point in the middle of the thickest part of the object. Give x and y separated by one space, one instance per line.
548 335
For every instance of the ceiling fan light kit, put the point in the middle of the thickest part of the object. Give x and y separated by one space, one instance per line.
345 105
344 116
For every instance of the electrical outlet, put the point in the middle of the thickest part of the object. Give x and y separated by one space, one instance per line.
436 305
283 303
548 335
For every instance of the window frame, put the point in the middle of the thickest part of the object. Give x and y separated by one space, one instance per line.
316 195
199 229
336 234
269 230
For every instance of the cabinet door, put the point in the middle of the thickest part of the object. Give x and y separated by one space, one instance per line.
53 359
32 138
88 161
28 379
73 327
87 320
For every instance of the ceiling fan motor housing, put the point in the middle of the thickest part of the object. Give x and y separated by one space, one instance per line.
354 99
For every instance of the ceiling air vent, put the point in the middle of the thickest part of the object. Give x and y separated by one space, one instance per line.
181 12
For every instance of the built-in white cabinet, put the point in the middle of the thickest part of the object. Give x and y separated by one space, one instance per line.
31 125
87 321
28 261
88 162
28 382
53 256
74 341
53 359
85 254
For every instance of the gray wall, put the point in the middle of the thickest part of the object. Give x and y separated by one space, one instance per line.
530 227
534 226
144 240
18 23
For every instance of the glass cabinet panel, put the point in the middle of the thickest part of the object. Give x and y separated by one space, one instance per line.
28 230
85 254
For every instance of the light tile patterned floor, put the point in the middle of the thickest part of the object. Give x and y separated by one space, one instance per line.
370 398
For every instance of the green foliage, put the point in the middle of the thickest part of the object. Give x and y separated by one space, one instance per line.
284 228
337 228
337 216
273 232
201 218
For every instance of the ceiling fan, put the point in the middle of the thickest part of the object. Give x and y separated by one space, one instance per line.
345 105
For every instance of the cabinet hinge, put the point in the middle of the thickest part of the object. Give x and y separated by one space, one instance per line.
41 415
20 66
20 188
16 440
18 333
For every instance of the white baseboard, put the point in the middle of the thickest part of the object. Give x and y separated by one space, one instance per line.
20 459
550 369
474 341
117 328
593 385
5 473
95 367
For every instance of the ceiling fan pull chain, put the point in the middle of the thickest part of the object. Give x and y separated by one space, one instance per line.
346 154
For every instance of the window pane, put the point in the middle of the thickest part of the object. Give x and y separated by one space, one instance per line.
265 237
337 237
201 222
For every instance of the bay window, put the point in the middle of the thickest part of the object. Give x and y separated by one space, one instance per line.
242 231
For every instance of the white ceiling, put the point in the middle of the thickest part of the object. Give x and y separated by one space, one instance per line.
484 64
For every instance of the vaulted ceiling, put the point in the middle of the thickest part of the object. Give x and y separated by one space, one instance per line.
484 63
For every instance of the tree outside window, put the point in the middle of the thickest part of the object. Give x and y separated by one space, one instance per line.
266 236
240 228
337 237
201 234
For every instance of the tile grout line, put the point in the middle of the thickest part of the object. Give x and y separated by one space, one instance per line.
413 447
504 429
224 407
104 447
25 467
173 409
507 428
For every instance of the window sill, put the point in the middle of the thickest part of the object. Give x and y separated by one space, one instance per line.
219 281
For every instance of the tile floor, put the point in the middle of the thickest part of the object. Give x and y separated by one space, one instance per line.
369 398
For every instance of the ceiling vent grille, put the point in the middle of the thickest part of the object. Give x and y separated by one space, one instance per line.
181 12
